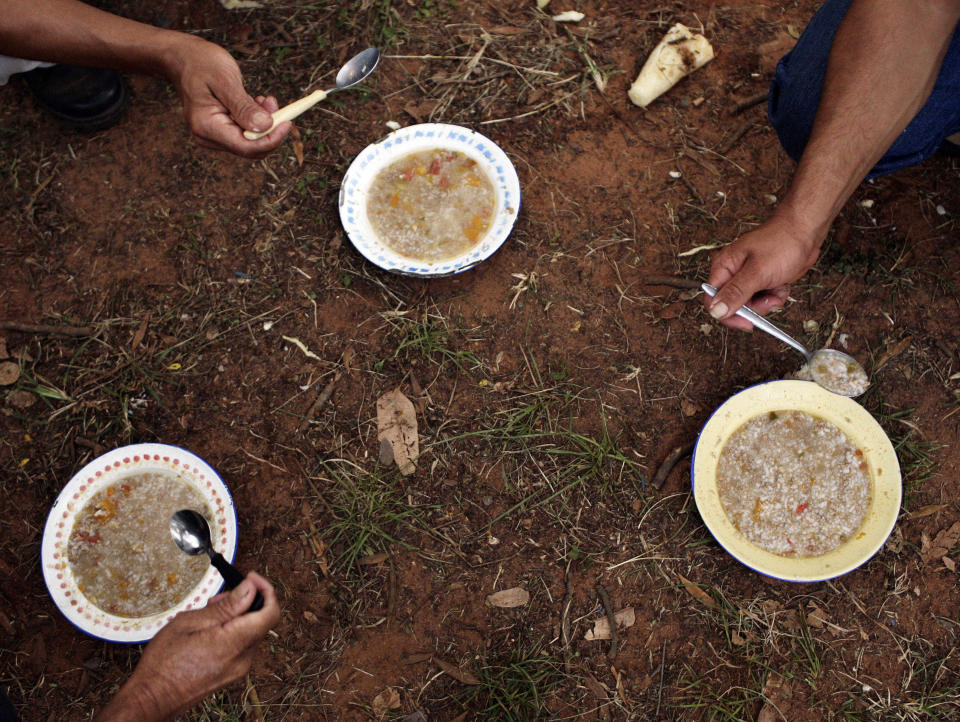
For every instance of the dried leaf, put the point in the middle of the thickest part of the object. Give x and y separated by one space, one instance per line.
816 618
140 333
776 691
297 145
941 545
461 675
695 591
625 619
241 4
3 348
397 424
387 699
927 510
507 598
949 564
373 558
9 373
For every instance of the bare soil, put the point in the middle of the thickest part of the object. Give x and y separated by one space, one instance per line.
550 382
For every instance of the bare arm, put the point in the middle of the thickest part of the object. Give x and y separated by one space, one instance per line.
885 59
217 107
195 655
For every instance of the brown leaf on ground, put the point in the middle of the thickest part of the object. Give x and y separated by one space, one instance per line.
3 348
928 510
776 691
297 144
507 598
397 424
696 591
461 675
625 619
941 545
387 699
9 373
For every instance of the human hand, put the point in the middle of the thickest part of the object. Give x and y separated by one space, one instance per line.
196 654
757 268
216 106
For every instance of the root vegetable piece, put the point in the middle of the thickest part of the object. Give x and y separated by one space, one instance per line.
677 55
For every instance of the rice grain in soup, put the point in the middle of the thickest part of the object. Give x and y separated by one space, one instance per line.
120 550
432 205
793 484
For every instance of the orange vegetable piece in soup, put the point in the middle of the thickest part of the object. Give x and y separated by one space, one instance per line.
432 205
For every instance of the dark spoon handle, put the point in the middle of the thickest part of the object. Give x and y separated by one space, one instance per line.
231 578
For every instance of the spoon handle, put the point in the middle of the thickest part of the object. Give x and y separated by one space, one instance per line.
231 578
289 112
763 324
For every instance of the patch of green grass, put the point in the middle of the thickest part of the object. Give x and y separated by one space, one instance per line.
705 699
367 512
514 687
431 340
916 455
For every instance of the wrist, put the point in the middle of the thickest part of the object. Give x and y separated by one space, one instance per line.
807 230
173 54
135 702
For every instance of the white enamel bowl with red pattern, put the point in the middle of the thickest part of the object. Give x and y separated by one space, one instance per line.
112 468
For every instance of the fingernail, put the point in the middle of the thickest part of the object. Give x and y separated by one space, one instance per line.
718 310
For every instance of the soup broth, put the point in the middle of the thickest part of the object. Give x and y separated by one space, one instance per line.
121 552
432 205
793 484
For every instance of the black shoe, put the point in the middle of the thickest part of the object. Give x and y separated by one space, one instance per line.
80 98
951 146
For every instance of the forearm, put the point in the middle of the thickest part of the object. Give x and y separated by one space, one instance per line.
885 60
134 703
68 31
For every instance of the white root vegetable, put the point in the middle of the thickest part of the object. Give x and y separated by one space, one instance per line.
679 53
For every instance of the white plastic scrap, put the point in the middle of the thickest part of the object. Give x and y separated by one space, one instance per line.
541 4
570 16
241 4
393 125
676 56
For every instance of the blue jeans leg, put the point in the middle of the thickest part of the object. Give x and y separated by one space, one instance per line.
798 83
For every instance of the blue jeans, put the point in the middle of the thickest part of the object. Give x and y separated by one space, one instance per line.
798 82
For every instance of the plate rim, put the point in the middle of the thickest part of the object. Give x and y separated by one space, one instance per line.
395 145
848 415
86 482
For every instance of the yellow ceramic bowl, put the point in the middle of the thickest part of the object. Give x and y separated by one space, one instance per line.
851 418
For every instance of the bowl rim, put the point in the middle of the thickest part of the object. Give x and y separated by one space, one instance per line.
851 418
108 468
403 141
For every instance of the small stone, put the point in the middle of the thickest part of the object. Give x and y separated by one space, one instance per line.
866 204
675 174
941 211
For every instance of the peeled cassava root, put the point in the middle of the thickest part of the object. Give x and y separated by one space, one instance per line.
679 53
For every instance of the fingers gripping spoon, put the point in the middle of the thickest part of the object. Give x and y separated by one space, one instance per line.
833 370
354 71
191 532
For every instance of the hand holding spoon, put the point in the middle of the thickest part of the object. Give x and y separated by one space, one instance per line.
191 532
833 370
354 71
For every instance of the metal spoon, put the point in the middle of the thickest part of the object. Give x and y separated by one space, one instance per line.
354 71
819 363
191 532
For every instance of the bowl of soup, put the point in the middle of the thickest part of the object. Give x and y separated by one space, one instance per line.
429 200
796 482
109 561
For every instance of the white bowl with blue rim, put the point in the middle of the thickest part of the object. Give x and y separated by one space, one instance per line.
111 469
415 138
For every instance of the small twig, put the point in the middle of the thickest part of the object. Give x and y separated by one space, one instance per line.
671 461
750 102
611 620
565 623
663 655
735 138
322 399
671 281
77 331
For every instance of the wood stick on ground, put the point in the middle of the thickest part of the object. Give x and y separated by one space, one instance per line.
322 399
750 102
565 623
671 461
40 328
727 146
671 281
611 620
